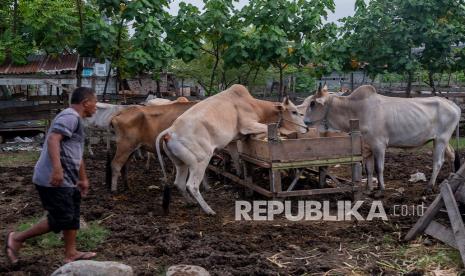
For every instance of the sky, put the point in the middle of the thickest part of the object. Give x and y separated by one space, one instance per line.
343 7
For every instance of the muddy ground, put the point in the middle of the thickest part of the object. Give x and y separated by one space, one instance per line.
142 237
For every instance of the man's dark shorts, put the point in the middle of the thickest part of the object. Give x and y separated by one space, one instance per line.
63 206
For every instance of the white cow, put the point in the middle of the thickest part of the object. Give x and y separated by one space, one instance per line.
101 120
212 124
388 122
160 101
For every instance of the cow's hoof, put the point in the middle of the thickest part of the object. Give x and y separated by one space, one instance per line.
428 191
369 193
190 204
378 195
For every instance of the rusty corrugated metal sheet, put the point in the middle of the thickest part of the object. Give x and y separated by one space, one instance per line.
41 63
33 66
60 63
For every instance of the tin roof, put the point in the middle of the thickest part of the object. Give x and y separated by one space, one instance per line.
42 63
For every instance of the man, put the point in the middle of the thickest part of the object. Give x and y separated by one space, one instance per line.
60 179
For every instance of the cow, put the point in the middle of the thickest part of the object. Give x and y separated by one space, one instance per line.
160 101
212 124
388 122
137 127
101 120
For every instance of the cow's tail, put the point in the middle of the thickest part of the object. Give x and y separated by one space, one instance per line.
166 186
457 142
108 171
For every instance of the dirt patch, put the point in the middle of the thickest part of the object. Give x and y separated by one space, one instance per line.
142 237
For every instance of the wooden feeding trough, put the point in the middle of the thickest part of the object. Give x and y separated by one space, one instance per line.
297 155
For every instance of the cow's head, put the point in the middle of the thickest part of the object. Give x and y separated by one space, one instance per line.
316 109
292 119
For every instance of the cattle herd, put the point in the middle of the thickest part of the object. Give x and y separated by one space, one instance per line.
188 133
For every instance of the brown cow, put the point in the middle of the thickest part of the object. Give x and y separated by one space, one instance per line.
139 126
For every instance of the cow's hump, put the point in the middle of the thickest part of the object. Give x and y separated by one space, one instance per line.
363 92
239 91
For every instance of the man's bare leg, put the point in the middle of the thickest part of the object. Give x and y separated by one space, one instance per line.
71 254
16 239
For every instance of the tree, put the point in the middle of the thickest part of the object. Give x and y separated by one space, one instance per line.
287 32
108 38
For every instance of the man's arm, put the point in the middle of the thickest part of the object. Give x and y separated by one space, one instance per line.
53 145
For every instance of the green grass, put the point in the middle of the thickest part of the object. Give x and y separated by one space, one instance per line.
15 159
87 239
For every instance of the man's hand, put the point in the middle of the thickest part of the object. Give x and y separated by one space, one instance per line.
83 186
56 179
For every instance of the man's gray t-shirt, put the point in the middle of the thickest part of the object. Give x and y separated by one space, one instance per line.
68 123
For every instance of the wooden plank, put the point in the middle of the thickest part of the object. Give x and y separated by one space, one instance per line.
45 98
435 206
305 149
27 109
460 194
240 181
35 81
455 217
316 191
273 132
19 128
295 180
318 162
322 173
275 181
255 161
302 149
40 115
442 233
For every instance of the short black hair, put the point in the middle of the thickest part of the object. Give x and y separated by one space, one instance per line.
81 93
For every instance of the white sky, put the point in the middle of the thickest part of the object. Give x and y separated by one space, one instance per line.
343 7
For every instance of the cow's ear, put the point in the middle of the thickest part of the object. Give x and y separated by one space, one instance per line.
280 107
325 89
321 100
286 100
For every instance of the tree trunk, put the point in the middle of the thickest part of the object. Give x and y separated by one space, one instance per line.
79 8
431 82
15 17
281 84
182 87
448 81
106 83
408 90
158 93
212 76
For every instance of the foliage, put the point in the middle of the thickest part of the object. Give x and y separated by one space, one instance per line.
285 32
87 239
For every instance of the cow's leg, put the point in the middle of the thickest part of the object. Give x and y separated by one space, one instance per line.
253 128
193 183
123 151
369 166
180 182
379 155
182 171
438 159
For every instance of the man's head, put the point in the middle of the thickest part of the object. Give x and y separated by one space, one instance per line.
84 101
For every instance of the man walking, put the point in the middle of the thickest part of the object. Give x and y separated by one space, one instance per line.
60 178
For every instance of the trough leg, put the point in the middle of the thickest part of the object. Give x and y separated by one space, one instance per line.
438 161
